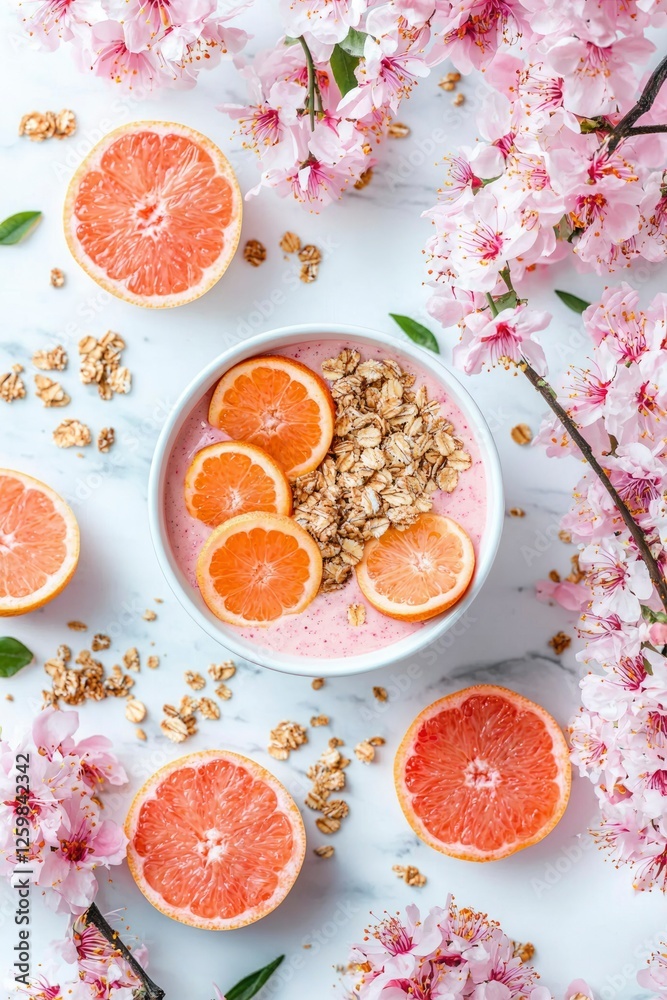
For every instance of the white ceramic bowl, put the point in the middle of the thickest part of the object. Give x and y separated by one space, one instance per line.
190 597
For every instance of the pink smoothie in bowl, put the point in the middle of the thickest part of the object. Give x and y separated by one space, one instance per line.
321 640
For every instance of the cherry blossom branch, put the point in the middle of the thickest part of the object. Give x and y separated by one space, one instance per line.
313 86
625 128
549 396
94 917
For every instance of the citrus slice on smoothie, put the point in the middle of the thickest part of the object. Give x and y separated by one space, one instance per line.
256 567
281 406
214 840
231 478
39 543
417 573
483 773
153 214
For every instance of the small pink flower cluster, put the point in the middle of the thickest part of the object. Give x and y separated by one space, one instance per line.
619 739
139 45
101 971
68 839
451 952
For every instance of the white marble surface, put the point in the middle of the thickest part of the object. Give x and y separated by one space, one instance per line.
579 911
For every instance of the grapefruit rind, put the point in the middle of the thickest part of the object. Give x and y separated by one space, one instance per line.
464 852
289 874
262 459
317 389
9 606
232 233
436 605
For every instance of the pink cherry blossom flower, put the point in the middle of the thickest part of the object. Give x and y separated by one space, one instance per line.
571 596
597 76
507 337
617 578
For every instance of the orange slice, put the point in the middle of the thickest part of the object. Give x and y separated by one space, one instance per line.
233 478
280 405
39 543
215 840
153 214
416 573
257 567
483 773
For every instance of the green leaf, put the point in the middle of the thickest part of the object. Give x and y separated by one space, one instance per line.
572 302
343 66
17 227
506 301
253 983
13 656
653 616
415 331
353 43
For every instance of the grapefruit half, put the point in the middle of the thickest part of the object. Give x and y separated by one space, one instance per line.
215 840
153 214
39 543
483 773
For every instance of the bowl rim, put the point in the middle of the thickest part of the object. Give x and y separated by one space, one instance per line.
299 664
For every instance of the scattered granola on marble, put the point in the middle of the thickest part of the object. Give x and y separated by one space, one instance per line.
391 450
410 874
54 359
12 385
365 751
50 392
101 364
57 277
72 434
286 736
327 775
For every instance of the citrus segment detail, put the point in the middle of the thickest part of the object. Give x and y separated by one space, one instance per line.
483 773
39 543
153 213
281 406
256 567
215 840
231 478
418 572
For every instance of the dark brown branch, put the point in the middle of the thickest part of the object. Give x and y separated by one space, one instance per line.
94 917
644 104
548 395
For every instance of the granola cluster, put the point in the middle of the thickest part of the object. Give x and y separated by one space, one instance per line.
84 678
286 736
179 723
100 364
392 449
38 125
410 875
328 775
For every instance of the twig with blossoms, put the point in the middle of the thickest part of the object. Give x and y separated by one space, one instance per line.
104 929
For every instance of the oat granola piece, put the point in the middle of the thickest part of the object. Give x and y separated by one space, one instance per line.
525 952
149 615
131 659
325 824
317 683
254 252
522 434
565 536
140 734
410 874
356 614
72 434
119 381
37 125
194 680
290 243
560 642
325 852
175 729
516 512
65 123
286 736
319 720
100 364
459 100
397 130
12 387
135 710
308 273
117 683
76 626
57 277
222 671
310 254
100 641
50 392
106 439
153 662
380 693
54 359
209 709
223 692
365 751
